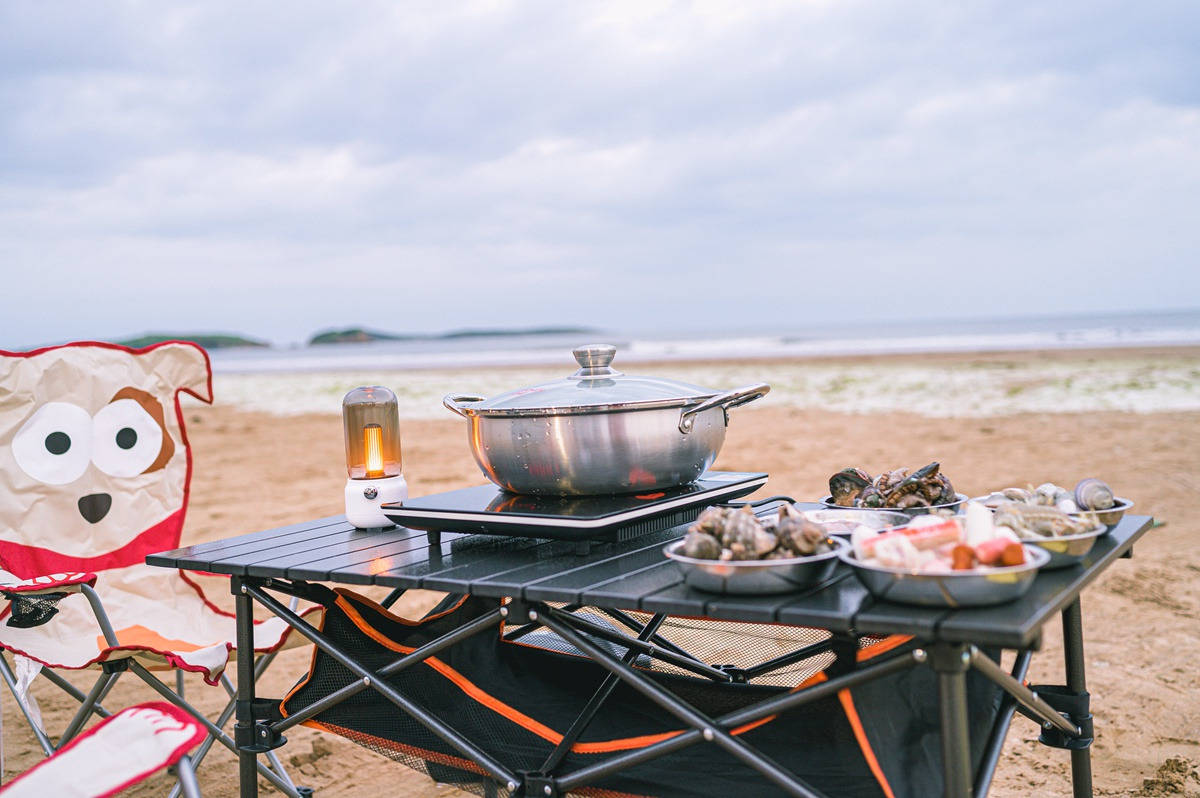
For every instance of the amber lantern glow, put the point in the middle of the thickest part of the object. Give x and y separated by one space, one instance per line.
373 463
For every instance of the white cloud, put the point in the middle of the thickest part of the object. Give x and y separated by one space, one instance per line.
625 163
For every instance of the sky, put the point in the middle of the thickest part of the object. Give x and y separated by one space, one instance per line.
276 169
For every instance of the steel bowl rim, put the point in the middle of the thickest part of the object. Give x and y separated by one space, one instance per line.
886 510
839 545
1120 505
827 501
1032 550
1094 532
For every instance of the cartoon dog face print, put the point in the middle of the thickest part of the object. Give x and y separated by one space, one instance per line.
94 467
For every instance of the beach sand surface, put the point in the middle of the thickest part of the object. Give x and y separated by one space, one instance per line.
1141 619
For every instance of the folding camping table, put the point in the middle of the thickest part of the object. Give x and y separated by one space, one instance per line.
540 576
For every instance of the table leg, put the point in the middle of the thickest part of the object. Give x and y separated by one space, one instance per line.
950 662
1081 759
244 729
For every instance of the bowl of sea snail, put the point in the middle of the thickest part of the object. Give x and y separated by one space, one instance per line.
733 550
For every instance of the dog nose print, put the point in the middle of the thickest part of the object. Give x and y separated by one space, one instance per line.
95 506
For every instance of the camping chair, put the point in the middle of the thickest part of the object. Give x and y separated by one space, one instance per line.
116 753
94 475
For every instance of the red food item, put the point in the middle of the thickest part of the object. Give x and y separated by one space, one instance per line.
962 558
1000 551
989 552
1013 554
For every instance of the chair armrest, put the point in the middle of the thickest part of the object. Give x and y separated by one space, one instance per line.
34 600
52 583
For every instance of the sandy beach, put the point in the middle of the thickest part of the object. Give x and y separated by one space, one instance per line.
256 469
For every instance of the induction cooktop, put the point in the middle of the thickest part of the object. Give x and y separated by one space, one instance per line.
489 510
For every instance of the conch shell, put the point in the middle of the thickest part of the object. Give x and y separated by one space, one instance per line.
1092 494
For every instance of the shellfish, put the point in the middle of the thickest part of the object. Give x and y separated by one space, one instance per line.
1034 521
728 533
899 488
846 484
1092 494
796 533
701 545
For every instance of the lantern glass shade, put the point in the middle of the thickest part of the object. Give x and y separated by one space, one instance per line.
372 425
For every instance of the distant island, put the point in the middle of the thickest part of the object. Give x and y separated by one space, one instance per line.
206 340
359 335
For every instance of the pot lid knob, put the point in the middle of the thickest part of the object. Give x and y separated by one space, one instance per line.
594 361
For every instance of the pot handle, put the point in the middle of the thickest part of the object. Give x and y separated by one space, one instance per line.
727 400
454 401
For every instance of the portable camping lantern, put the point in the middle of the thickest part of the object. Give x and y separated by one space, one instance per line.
372 425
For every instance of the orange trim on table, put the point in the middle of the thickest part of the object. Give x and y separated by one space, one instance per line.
312 668
516 716
464 684
384 611
864 744
882 647
442 759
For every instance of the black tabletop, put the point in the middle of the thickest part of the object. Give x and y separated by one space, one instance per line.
633 574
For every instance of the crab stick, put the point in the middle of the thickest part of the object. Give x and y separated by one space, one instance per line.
922 537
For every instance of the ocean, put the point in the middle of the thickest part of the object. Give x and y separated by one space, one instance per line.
314 379
1174 328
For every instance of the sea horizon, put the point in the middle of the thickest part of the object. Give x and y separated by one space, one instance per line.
931 336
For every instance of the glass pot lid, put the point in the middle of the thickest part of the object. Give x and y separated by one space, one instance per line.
595 387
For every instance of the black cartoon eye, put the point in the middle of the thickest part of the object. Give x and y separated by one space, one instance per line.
55 444
126 439
58 442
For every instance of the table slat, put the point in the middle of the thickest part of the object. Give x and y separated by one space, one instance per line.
194 557
343 550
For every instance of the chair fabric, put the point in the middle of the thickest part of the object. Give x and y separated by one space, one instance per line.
116 753
95 470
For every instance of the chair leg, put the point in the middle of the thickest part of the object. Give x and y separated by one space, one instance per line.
221 737
73 691
203 750
11 680
277 766
187 777
103 684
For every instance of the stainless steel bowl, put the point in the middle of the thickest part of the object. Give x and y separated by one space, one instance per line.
755 577
845 520
973 588
1113 515
1067 550
954 506
598 431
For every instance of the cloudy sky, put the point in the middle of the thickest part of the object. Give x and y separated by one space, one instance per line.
277 168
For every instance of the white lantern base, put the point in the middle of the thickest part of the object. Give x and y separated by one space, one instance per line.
363 497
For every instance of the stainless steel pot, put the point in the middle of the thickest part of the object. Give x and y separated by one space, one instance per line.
598 431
